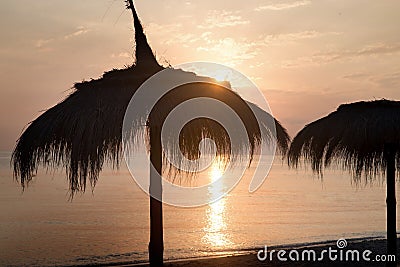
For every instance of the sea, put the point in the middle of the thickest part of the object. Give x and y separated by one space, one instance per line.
43 226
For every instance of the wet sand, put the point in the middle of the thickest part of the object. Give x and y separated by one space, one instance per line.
376 245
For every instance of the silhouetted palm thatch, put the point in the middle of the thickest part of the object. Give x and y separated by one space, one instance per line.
353 136
85 130
363 137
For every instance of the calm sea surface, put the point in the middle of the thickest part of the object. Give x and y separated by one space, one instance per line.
42 227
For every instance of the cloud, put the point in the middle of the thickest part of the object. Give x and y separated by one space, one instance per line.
80 31
295 36
184 39
388 80
222 19
282 6
122 55
236 51
165 29
170 34
379 48
313 60
231 51
322 58
357 76
380 85
43 44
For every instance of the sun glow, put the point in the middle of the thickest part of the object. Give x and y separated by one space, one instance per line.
219 72
221 76
215 173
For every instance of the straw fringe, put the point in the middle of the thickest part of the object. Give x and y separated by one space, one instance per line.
85 130
354 136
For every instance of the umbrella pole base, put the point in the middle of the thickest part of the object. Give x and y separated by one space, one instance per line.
156 245
156 255
391 218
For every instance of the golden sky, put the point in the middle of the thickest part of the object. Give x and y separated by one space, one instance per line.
307 56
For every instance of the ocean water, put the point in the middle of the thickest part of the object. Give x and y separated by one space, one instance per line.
41 226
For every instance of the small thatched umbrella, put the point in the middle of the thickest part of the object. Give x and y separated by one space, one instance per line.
85 130
365 138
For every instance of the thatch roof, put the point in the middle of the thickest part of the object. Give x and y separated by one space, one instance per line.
355 135
85 130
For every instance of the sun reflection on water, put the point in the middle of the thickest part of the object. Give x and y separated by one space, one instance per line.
215 231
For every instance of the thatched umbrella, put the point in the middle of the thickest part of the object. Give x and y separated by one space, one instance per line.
85 130
364 137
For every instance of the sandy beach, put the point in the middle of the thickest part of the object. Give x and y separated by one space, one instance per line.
376 245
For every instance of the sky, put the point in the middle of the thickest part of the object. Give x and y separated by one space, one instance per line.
306 56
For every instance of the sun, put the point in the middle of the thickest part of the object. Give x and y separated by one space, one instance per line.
215 173
221 74
217 170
